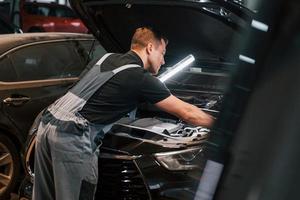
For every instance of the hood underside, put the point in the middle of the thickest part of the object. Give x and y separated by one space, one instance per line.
204 29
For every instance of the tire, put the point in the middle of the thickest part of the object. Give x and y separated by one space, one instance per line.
9 166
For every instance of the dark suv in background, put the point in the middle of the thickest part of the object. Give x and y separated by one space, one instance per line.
35 69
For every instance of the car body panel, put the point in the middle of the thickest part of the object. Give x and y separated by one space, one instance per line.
38 98
21 94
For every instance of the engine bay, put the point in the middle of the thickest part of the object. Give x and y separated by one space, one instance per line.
159 128
163 132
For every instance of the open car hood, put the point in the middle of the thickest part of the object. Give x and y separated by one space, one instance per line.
202 28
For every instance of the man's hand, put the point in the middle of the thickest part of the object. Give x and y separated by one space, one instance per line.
185 111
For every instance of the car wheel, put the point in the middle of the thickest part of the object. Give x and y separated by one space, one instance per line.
9 166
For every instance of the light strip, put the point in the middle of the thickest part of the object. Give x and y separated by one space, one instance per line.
246 59
176 68
259 25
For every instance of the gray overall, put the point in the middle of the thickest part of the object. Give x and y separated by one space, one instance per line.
66 155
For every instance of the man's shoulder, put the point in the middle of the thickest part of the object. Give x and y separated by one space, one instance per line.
137 72
116 60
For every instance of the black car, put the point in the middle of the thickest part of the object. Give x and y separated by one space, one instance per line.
35 69
157 156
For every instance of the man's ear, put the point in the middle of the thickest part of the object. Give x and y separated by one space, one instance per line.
149 48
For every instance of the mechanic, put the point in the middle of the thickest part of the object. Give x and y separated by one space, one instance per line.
70 132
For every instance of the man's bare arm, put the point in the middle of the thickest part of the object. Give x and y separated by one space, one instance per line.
185 111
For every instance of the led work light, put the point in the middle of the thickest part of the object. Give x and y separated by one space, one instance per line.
176 68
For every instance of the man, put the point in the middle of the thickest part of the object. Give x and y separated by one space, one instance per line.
71 129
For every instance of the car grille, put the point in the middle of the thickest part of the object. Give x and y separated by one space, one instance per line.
120 179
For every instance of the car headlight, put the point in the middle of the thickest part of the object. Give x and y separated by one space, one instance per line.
187 159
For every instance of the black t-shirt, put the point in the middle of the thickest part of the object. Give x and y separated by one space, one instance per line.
124 91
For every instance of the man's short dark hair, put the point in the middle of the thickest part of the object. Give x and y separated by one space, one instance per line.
143 35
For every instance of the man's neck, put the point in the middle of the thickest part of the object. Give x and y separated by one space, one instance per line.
143 57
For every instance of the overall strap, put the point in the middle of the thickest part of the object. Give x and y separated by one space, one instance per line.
77 97
102 59
119 69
